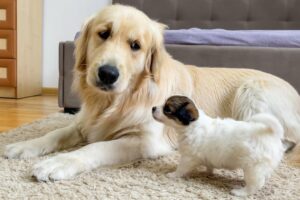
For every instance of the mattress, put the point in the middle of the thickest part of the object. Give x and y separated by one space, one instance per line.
258 38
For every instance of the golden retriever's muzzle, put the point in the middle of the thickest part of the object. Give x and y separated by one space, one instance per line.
107 75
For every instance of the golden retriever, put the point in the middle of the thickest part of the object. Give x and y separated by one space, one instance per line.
122 70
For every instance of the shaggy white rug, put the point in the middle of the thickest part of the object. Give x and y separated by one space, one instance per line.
139 180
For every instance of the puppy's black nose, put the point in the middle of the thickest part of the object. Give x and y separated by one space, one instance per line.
108 74
153 109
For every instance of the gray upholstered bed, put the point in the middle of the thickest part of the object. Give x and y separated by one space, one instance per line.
209 14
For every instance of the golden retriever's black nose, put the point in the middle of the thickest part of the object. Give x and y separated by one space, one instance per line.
108 74
153 109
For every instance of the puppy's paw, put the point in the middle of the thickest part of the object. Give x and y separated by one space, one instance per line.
173 175
60 167
240 192
26 149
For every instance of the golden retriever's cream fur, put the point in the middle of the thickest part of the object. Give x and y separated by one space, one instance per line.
119 123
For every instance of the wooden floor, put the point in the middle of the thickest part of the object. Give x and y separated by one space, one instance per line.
16 112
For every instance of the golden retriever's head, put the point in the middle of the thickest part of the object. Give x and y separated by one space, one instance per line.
117 47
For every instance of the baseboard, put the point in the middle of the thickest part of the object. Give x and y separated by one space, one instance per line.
50 91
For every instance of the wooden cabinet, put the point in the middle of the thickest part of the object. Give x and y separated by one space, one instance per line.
20 48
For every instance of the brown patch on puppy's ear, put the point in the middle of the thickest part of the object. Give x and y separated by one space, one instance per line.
185 115
177 101
81 44
192 109
183 109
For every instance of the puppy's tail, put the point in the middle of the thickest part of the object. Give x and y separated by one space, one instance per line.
273 125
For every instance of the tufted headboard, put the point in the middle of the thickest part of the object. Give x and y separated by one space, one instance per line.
227 14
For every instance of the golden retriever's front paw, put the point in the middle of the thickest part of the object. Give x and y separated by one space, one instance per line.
60 167
26 149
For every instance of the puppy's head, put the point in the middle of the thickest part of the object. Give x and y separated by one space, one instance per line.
178 111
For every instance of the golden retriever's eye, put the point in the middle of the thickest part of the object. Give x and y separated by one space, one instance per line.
135 46
104 34
167 109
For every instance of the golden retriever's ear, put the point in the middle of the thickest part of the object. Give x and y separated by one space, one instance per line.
81 44
157 51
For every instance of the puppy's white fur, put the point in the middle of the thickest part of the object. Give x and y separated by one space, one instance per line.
254 146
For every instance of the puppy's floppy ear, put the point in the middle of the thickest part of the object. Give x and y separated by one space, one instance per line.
187 113
156 53
81 44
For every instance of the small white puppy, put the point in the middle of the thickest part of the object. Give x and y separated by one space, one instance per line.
254 146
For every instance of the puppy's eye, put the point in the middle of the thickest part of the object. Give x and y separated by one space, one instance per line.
134 46
167 110
104 34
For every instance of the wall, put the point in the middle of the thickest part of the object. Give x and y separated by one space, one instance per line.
62 19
